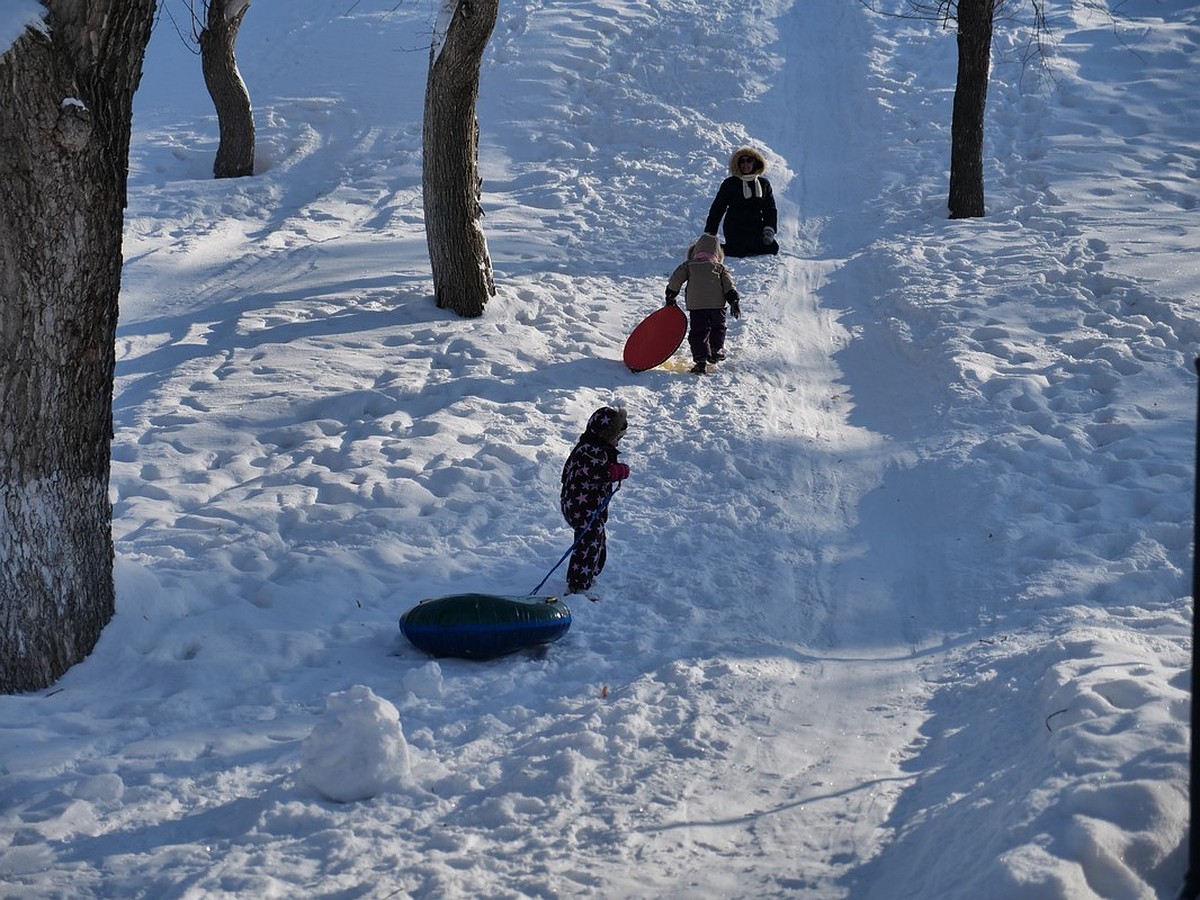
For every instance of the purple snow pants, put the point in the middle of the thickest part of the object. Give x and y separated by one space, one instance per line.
707 334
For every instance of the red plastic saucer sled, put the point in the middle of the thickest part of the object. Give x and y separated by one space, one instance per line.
656 338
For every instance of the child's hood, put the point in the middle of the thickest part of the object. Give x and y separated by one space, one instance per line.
707 243
608 423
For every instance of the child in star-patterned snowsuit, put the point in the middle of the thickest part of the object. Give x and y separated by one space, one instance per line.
587 479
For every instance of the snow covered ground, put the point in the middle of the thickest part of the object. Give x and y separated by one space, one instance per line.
898 599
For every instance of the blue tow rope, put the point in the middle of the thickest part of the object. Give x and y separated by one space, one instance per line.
583 531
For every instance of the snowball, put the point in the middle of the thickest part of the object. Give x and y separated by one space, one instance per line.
357 750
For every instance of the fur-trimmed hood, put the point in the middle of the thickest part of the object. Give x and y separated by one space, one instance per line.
759 169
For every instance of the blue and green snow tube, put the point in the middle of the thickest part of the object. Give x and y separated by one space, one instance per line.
484 626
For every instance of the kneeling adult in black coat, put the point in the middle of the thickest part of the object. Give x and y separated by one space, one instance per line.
747 204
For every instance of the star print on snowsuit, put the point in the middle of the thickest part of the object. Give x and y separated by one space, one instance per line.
586 484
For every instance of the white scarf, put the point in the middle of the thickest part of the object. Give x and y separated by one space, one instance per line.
747 190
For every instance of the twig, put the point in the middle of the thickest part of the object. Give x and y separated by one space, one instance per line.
1052 715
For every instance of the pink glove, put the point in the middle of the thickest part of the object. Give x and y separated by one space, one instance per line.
618 471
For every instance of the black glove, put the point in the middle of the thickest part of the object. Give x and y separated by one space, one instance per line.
671 299
735 305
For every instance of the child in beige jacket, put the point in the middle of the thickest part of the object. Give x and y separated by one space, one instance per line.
709 288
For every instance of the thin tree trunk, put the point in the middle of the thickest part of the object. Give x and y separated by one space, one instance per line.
235 118
66 103
975 18
458 253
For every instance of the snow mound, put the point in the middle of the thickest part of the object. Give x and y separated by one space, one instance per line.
357 749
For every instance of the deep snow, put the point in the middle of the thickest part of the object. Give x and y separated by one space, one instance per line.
898 599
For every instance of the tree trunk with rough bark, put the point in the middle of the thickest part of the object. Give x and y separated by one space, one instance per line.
235 118
975 22
66 106
458 253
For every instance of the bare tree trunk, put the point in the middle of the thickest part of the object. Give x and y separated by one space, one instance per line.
458 253
235 153
66 104
975 18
